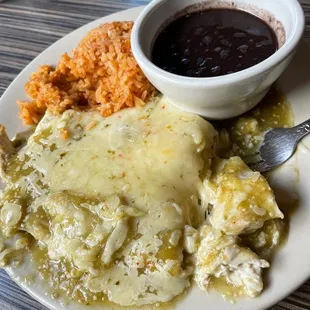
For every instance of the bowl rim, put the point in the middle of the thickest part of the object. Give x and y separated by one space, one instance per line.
267 65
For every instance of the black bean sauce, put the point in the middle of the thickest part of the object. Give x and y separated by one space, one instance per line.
213 42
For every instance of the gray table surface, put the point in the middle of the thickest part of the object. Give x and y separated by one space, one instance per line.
27 27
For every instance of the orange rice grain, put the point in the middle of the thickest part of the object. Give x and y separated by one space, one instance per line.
101 75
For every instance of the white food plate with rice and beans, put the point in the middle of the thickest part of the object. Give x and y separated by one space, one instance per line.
123 151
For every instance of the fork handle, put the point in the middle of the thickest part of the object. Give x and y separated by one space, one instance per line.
303 129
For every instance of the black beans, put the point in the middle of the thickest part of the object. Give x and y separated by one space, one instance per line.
200 61
239 35
185 61
199 71
176 54
207 40
224 54
226 43
216 70
198 31
213 42
190 73
262 43
243 48
187 52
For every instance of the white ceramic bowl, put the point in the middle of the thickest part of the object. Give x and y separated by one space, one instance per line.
228 95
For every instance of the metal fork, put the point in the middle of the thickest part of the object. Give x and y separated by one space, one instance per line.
278 146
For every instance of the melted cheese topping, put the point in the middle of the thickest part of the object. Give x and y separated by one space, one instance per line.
115 196
115 200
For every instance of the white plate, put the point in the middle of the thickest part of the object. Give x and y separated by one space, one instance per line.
291 266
